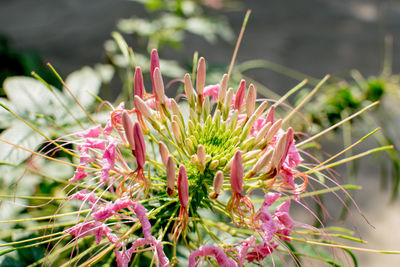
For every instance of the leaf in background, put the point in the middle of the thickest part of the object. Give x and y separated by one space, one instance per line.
82 82
29 96
5 116
20 134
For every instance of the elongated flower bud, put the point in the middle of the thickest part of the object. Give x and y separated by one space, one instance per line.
201 157
154 63
237 173
217 183
189 91
170 175
201 76
239 98
175 107
227 103
271 114
140 145
260 109
261 134
183 187
279 151
222 88
143 109
138 83
251 100
163 152
289 141
262 162
176 131
159 86
274 130
128 127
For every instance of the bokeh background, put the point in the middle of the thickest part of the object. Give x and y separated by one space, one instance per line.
314 37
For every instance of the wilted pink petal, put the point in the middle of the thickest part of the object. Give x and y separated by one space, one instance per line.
108 159
140 212
287 176
212 90
104 212
217 252
95 143
237 173
260 251
84 196
123 257
78 175
183 187
93 228
270 198
268 224
244 248
140 145
117 119
92 132
239 97
84 157
138 83
164 262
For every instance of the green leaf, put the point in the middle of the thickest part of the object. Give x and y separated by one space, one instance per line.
22 135
82 84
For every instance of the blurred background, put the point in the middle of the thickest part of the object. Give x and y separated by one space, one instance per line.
313 37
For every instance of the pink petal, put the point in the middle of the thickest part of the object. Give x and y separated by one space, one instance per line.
217 252
92 132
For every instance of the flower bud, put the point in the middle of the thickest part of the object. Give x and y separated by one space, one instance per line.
273 130
140 145
175 107
183 187
159 86
237 173
260 109
201 76
222 88
214 164
251 100
170 175
128 127
154 63
190 95
189 146
239 98
271 114
279 151
289 141
217 183
176 131
138 83
261 134
163 152
262 162
201 157
227 103
143 109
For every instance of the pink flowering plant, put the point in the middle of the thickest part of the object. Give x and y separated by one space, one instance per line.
205 179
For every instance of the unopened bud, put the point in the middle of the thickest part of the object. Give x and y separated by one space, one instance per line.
189 90
222 88
261 134
183 187
273 130
138 83
260 109
201 76
163 152
201 157
237 173
140 145
170 175
227 103
271 114
189 146
176 131
159 86
214 164
128 127
143 109
262 162
154 63
217 183
251 100
239 98
279 151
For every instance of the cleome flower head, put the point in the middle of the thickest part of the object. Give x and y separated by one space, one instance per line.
167 175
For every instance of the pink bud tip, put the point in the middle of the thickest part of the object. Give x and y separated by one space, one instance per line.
271 114
163 152
128 127
239 98
237 173
154 63
201 76
139 86
170 175
218 183
159 86
183 187
140 145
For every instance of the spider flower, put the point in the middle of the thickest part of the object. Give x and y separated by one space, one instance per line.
224 144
